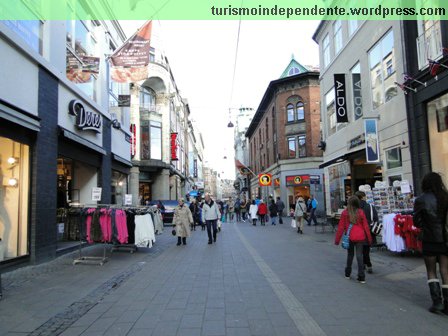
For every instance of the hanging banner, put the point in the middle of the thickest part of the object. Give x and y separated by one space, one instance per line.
130 61
195 168
340 98
357 95
372 145
133 140
174 147
265 180
80 68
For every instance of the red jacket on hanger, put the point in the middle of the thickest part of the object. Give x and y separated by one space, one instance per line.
360 231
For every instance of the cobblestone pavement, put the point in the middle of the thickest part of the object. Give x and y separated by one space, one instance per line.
253 281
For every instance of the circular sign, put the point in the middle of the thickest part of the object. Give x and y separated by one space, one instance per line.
265 180
297 180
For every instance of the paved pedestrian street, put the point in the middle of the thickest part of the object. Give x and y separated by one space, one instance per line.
253 281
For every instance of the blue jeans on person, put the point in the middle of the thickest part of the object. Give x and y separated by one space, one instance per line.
358 246
312 217
274 220
212 224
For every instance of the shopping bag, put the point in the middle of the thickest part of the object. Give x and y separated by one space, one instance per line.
376 228
293 223
346 238
219 224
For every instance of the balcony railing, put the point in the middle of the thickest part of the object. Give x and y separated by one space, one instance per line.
429 45
150 108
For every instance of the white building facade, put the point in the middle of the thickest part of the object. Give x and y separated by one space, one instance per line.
369 54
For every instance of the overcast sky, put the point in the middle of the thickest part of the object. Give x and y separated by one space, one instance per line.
201 55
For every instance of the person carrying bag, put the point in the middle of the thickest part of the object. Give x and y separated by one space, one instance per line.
354 222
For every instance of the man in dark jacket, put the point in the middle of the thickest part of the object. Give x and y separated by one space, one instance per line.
372 217
280 207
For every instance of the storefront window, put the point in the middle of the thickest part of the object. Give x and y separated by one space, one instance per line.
438 135
14 193
338 174
30 32
144 135
118 187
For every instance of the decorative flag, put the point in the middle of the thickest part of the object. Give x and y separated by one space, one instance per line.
244 170
80 68
405 88
407 78
433 67
130 61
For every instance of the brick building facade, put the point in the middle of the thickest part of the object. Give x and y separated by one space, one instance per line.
285 133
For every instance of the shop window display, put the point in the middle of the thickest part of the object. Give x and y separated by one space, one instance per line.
14 198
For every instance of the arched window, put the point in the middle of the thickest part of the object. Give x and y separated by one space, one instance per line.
293 71
300 111
147 99
290 112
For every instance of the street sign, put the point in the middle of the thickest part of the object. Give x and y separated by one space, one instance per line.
265 180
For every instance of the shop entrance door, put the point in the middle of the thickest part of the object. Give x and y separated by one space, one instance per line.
145 192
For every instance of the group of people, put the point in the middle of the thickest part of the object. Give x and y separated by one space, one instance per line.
430 215
206 213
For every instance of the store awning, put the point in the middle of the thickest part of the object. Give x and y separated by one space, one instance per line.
341 158
78 139
121 160
30 122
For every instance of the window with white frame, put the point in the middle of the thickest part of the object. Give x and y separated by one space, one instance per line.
352 26
331 111
382 70
393 158
156 140
337 36
292 147
326 50
301 140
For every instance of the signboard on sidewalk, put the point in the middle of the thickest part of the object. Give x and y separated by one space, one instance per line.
128 199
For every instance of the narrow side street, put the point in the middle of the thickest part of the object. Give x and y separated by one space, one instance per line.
253 281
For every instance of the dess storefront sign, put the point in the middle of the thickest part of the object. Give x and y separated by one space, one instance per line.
85 120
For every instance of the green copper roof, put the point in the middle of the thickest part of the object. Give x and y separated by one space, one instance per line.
298 69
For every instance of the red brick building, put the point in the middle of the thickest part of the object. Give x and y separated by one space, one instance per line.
285 133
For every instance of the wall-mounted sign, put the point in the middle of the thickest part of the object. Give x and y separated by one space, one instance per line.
355 142
85 120
314 179
277 182
265 180
133 139
297 180
128 199
372 145
340 98
96 194
124 100
195 168
174 147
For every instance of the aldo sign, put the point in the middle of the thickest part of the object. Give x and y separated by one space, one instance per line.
340 98
85 120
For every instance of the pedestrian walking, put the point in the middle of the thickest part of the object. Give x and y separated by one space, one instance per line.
280 208
194 209
312 209
372 217
273 212
262 212
238 210
253 212
230 209
299 213
182 220
430 215
354 223
211 214
243 209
